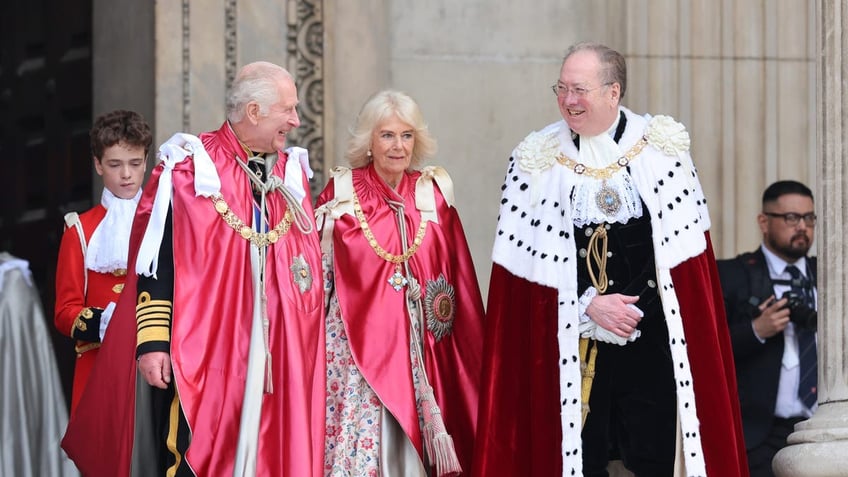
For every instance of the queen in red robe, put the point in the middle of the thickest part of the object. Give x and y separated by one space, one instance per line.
404 320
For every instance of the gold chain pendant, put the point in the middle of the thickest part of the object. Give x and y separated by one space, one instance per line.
397 280
608 200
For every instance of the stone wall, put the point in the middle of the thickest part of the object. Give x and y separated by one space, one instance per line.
739 74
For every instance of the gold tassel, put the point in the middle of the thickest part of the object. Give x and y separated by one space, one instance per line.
587 372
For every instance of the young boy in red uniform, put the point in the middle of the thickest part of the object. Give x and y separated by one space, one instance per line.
92 264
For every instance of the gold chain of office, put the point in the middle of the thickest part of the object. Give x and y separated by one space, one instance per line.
260 239
597 253
603 173
372 241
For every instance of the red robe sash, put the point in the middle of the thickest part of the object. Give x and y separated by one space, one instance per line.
213 306
375 315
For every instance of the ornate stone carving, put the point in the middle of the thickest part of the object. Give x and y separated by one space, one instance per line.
305 47
230 41
186 67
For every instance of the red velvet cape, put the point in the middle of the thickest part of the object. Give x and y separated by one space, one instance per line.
213 305
519 426
375 316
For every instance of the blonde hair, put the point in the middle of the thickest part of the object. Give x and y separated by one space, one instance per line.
379 107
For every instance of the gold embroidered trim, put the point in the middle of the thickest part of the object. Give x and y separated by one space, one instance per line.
372 241
153 319
118 288
608 171
80 321
82 348
260 239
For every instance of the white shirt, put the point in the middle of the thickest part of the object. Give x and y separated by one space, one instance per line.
788 403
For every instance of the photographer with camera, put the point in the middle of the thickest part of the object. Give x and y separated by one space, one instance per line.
770 298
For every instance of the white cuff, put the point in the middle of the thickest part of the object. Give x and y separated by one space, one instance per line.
590 329
105 318
583 303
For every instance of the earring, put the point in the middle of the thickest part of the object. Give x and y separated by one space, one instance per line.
368 153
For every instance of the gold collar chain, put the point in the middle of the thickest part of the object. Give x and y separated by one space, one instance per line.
260 239
372 241
603 173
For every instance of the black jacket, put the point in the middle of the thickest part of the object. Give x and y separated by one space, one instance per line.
757 364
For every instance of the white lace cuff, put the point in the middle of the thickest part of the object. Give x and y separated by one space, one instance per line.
583 303
589 329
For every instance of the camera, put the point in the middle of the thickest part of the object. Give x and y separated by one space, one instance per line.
799 313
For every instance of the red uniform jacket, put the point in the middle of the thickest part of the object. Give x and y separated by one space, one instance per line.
72 297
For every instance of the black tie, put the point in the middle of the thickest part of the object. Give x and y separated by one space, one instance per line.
806 343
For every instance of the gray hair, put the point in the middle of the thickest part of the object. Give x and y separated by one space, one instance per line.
613 66
259 82
381 106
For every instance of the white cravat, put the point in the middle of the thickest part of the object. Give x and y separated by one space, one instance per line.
599 151
110 242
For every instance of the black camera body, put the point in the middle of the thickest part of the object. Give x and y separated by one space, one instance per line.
799 313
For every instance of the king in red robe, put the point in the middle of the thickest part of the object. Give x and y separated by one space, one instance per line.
252 404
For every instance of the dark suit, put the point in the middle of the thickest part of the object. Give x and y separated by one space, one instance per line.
758 365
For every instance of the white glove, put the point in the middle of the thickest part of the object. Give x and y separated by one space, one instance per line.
105 318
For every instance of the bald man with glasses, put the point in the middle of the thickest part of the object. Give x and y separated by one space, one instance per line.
770 299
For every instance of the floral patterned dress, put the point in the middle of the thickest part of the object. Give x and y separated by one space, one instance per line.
352 441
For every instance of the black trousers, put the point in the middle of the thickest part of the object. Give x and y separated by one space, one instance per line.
760 457
171 431
633 406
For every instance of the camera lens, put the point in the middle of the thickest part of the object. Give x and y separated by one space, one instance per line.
799 313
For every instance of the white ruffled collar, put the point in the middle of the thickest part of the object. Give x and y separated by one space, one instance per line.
110 242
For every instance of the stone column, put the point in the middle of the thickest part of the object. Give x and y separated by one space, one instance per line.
819 446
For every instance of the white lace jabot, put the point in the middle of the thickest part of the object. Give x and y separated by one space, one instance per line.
598 152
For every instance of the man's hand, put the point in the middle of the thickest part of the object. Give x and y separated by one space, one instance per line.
155 367
615 313
774 316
